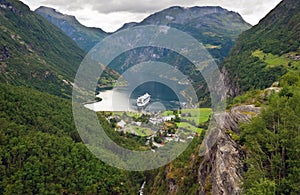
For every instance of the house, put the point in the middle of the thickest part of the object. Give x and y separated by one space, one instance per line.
168 118
121 124
137 123
155 121
169 139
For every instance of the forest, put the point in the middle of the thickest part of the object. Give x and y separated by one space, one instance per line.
42 153
272 143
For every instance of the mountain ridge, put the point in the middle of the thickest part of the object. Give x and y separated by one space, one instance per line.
231 25
194 12
86 37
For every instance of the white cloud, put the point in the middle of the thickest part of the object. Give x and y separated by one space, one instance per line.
108 22
111 15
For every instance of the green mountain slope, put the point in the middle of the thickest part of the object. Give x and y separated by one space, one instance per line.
267 51
35 53
272 143
41 152
84 36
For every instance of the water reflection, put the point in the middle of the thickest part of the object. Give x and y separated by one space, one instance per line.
119 99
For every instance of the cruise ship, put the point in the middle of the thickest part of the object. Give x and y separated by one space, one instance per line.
143 100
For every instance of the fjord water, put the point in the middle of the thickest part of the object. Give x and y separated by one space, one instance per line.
121 99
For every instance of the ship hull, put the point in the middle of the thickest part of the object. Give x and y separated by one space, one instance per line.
143 101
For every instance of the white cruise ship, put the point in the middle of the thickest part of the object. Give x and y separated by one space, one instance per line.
143 100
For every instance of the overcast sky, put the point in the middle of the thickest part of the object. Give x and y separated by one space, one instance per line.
112 14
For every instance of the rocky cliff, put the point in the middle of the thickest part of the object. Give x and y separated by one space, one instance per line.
215 167
221 170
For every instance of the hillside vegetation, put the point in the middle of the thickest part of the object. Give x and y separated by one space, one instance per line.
272 143
35 53
267 51
41 152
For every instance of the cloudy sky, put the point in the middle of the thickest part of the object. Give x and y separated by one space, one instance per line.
111 15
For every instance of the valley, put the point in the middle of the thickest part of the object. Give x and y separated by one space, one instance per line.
52 144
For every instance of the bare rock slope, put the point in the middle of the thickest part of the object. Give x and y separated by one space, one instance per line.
220 171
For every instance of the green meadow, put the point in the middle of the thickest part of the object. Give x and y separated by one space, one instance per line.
276 60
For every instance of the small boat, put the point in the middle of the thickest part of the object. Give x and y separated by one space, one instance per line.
143 100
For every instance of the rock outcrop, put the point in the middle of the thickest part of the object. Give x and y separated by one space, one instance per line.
220 171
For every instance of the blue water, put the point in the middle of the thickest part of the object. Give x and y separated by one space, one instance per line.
119 99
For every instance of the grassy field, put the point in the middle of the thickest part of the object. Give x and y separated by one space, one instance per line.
130 114
142 131
202 113
275 60
197 115
189 127
167 113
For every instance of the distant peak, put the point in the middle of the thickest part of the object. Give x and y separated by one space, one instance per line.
45 7
176 7
207 7
49 9
218 8
55 13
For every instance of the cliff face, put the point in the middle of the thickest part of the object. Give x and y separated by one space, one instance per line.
220 171
215 167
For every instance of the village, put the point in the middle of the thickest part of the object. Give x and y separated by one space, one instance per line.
160 127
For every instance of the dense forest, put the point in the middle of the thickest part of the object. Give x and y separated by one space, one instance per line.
272 143
35 53
41 152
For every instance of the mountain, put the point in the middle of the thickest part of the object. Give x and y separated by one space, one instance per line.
128 25
213 169
214 27
35 53
267 51
254 150
84 36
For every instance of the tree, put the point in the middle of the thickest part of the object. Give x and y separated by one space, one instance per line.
272 142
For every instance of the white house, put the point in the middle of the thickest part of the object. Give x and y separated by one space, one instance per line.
121 124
